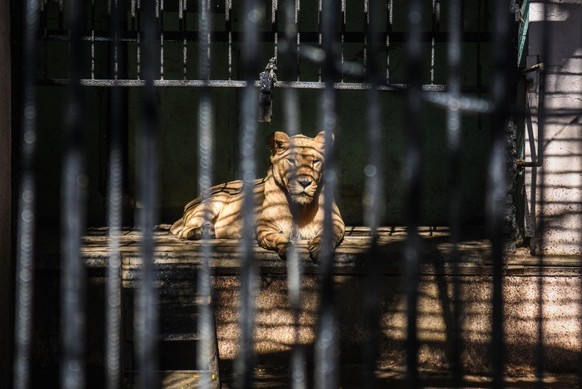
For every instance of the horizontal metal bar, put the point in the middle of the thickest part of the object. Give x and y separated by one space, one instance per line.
436 92
242 84
265 36
459 103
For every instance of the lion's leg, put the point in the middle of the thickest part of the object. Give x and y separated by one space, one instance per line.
338 229
273 240
201 230
193 226
199 218
274 225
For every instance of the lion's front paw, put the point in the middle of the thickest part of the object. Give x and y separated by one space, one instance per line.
280 245
205 230
313 248
282 248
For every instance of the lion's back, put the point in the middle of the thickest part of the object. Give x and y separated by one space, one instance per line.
225 201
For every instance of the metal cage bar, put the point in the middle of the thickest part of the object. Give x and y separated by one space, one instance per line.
248 128
146 309
74 183
288 70
540 370
205 148
412 171
497 179
113 350
26 205
454 129
374 197
234 40
326 343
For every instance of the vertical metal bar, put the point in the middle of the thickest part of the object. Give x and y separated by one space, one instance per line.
373 206
206 143
319 27
366 28
146 315
274 9
288 67
343 32
92 39
138 27
389 17
44 27
481 14
133 14
11 141
436 18
114 216
182 13
454 145
251 17
294 263
297 10
412 178
326 347
74 183
26 205
546 37
160 15
497 177
61 16
228 22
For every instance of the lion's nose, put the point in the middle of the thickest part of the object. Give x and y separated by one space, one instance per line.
304 182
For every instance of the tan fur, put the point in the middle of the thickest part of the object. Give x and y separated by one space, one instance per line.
293 186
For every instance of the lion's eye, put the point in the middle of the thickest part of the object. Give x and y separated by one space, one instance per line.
316 162
291 161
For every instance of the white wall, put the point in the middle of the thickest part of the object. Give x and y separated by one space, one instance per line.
559 181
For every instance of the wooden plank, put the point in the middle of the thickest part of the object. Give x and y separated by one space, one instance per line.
176 379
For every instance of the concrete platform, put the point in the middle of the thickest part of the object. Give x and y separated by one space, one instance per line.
536 292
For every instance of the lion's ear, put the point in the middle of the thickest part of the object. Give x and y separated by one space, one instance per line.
278 142
320 137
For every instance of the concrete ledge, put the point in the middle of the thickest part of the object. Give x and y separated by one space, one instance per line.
550 285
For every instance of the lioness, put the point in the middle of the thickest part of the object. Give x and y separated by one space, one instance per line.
294 181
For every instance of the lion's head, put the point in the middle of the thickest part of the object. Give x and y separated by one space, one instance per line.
297 165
